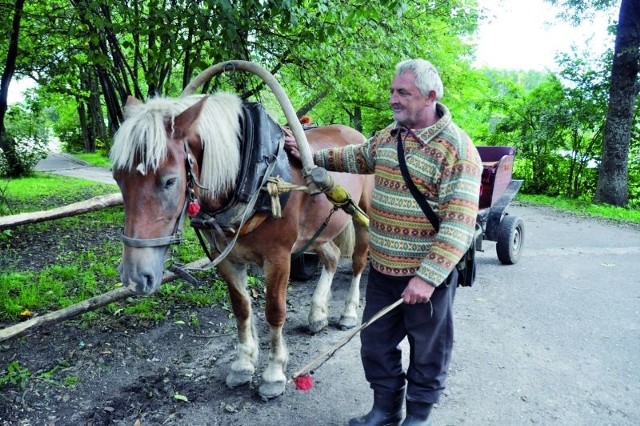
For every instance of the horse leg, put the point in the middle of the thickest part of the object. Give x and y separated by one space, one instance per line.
329 255
242 369
276 273
349 317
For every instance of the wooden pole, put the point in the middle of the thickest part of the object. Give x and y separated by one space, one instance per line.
320 359
92 204
84 306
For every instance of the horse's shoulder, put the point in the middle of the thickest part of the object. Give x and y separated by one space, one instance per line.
334 135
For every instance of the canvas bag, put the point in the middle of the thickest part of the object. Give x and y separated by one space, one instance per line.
467 265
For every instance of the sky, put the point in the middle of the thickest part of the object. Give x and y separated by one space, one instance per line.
518 35
526 35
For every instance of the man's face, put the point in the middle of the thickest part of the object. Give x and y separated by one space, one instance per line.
409 105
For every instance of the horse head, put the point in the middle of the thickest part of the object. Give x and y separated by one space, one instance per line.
155 161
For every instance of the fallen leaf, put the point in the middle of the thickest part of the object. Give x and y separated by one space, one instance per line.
180 397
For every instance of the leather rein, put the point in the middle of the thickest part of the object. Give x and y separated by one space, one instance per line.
176 238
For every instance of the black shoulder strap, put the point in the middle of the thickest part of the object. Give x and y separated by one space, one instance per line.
426 208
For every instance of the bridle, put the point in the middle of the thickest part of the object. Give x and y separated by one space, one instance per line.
190 197
176 236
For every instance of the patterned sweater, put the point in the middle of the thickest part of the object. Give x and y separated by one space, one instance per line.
445 167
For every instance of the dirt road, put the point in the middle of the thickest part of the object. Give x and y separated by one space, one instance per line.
70 166
552 340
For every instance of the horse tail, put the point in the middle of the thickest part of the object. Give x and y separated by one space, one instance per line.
346 240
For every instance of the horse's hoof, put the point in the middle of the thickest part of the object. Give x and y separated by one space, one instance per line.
238 378
318 326
348 322
271 390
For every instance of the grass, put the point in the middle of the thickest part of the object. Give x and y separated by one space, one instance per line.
78 268
19 376
43 191
583 207
98 159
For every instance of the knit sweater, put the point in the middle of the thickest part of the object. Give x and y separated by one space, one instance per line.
445 166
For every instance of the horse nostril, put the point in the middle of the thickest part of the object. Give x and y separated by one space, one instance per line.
146 283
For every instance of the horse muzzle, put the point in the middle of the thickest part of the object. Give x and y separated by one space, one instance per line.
142 269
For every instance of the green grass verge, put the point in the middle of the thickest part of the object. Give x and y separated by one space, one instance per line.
579 206
79 267
98 159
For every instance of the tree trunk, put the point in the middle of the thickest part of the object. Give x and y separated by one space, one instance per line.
357 118
8 144
96 119
84 127
612 178
312 103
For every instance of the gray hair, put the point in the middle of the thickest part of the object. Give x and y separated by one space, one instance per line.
427 77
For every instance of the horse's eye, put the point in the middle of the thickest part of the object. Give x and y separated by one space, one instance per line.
169 183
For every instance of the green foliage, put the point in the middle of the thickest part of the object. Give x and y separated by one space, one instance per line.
634 175
555 122
348 64
15 374
19 376
82 269
43 191
97 159
585 207
21 156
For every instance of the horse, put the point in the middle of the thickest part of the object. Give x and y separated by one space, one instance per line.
165 145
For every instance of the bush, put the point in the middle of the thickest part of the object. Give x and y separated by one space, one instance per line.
20 159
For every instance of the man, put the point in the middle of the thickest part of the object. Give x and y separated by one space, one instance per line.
409 259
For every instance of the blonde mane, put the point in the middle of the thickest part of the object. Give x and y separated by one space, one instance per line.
142 136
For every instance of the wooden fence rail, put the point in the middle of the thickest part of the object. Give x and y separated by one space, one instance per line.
84 306
81 207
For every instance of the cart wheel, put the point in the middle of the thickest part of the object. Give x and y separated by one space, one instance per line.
304 267
510 240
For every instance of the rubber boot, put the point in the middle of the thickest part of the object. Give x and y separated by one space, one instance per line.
418 413
386 410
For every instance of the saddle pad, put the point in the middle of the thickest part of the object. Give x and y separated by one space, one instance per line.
261 145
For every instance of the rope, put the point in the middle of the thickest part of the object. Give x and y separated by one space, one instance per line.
276 186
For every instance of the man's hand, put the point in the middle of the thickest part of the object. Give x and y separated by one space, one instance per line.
290 144
417 291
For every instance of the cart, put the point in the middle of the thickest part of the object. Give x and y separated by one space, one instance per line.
496 192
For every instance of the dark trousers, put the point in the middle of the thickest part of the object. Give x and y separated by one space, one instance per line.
428 327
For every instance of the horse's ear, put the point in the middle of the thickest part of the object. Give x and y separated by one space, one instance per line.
131 105
183 123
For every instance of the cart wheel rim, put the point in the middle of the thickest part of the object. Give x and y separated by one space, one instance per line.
517 240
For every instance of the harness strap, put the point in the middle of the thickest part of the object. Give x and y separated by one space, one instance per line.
315 236
150 242
245 216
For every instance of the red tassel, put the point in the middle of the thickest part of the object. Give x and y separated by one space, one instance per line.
303 382
193 208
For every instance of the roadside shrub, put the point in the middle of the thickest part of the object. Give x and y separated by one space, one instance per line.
20 159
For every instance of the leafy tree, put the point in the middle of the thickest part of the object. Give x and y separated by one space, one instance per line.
12 164
623 91
585 84
534 123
